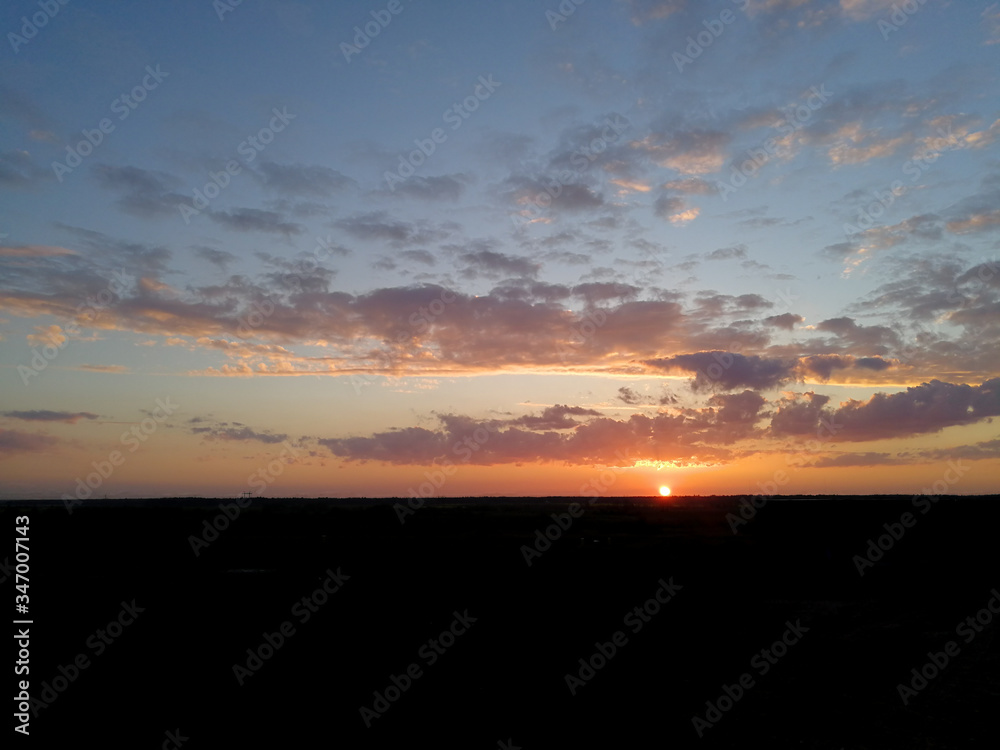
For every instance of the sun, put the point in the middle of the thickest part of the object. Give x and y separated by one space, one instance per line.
664 490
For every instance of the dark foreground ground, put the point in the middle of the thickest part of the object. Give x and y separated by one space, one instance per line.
166 678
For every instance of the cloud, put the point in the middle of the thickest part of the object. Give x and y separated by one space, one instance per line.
17 107
858 459
798 414
110 369
237 432
728 253
923 227
299 179
19 172
644 11
988 449
692 186
823 365
255 220
719 370
144 193
555 418
14 441
490 263
300 209
219 258
379 226
925 288
674 209
855 145
787 321
47 336
631 186
411 445
549 292
539 194
839 250
434 188
713 305
926 408
601 324
602 291
685 217
601 440
923 409
44 415
738 408
876 364
975 222
955 133
107 255
869 339
629 396
690 152
34 251
419 256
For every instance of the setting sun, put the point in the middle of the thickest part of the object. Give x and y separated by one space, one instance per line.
664 490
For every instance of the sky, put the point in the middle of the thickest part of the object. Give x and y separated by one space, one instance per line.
415 249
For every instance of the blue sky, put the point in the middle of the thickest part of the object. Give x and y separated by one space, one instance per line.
620 197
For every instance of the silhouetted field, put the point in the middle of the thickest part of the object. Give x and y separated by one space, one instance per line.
504 678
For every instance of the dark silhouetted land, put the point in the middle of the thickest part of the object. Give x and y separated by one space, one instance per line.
504 677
